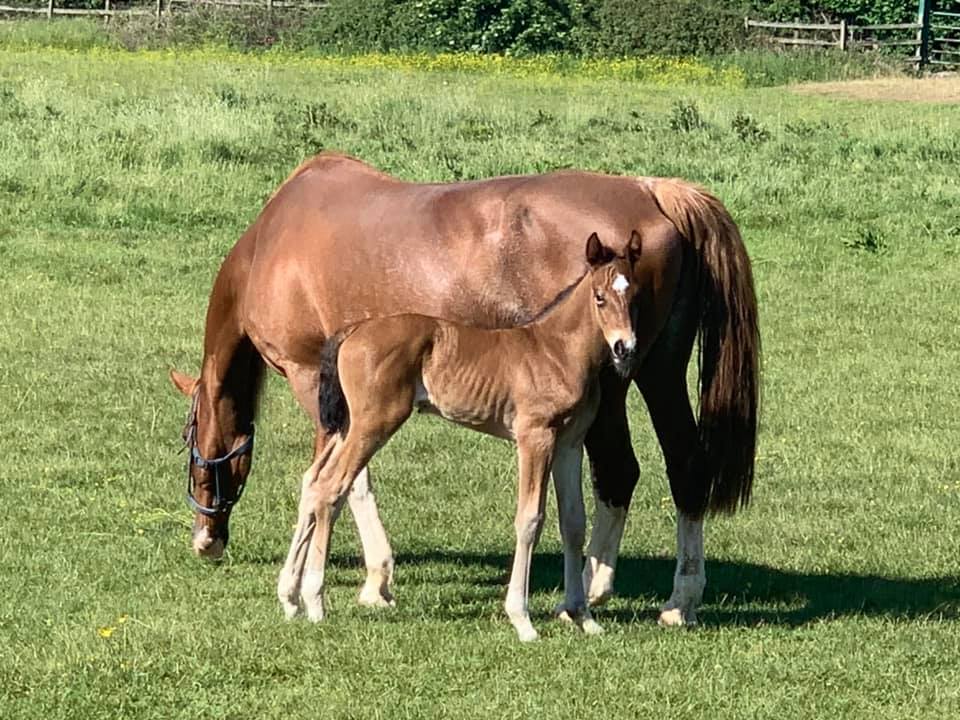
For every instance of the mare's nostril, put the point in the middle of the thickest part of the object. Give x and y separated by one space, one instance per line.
618 349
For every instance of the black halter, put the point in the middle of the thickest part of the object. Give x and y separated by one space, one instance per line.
221 504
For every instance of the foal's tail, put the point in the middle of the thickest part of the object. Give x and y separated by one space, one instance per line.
729 353
334 415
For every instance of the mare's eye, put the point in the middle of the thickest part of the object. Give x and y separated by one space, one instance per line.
598 296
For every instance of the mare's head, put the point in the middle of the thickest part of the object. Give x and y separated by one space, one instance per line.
218 463
614 287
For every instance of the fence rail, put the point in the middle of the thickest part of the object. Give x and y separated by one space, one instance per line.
161 7
843 36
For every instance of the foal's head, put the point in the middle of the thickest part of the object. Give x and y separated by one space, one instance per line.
614 287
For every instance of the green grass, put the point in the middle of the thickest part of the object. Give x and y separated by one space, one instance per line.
125 178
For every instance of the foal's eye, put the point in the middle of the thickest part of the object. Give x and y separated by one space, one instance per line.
598 296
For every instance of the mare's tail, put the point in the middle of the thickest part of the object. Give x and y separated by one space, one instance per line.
334 415
729 335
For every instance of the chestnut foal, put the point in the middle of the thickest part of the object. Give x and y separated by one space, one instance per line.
536 384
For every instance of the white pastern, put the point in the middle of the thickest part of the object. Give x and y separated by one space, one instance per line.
620 284
690 577
598 571
377 552
311 592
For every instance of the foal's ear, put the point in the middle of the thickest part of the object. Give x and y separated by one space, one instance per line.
634 247
184 383
597 252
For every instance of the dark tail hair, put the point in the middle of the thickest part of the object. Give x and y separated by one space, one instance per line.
729 355
334 415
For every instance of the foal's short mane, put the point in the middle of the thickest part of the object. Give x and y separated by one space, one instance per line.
561 296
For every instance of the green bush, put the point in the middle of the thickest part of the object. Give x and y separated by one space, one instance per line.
371 25
861 11
662 27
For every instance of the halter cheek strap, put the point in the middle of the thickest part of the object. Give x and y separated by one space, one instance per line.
221 504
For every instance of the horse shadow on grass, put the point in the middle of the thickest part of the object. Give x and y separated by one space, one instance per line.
738 593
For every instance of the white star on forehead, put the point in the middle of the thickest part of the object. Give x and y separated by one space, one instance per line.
620 284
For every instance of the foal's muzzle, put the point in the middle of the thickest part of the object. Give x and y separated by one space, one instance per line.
623 356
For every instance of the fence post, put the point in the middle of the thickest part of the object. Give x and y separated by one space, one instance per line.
923 17
270 9
159 12
843 35
49 9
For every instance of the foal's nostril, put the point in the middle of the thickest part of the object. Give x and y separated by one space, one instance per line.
618 349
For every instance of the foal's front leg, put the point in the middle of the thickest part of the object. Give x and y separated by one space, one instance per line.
566 470
534 450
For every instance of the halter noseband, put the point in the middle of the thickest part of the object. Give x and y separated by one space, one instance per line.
221 504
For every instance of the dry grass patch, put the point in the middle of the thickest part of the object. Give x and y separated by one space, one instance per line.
944 88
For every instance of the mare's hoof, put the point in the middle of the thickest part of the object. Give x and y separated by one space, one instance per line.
675 617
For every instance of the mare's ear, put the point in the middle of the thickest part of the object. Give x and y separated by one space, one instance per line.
634 247
184 383
597 252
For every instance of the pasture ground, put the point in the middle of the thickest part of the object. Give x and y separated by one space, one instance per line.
125 178
943 88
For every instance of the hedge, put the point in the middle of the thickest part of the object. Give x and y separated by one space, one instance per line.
605 28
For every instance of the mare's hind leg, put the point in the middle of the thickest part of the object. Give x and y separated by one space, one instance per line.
567 461
615 472
676 430
377 553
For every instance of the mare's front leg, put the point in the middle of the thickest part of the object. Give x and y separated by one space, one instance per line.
377 553
566 471
615 472
534 452
676 430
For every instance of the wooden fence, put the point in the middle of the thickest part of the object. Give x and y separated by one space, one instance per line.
159 8
841 35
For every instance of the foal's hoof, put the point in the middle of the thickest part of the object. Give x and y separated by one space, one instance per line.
376 597
676 617
290 609
580 618
314 610
527 634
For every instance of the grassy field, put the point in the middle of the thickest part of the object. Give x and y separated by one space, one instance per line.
125 178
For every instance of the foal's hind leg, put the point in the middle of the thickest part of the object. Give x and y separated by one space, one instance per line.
378 556
676 430
370 428
288 585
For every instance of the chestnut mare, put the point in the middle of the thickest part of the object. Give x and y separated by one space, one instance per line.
535 384
341 242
